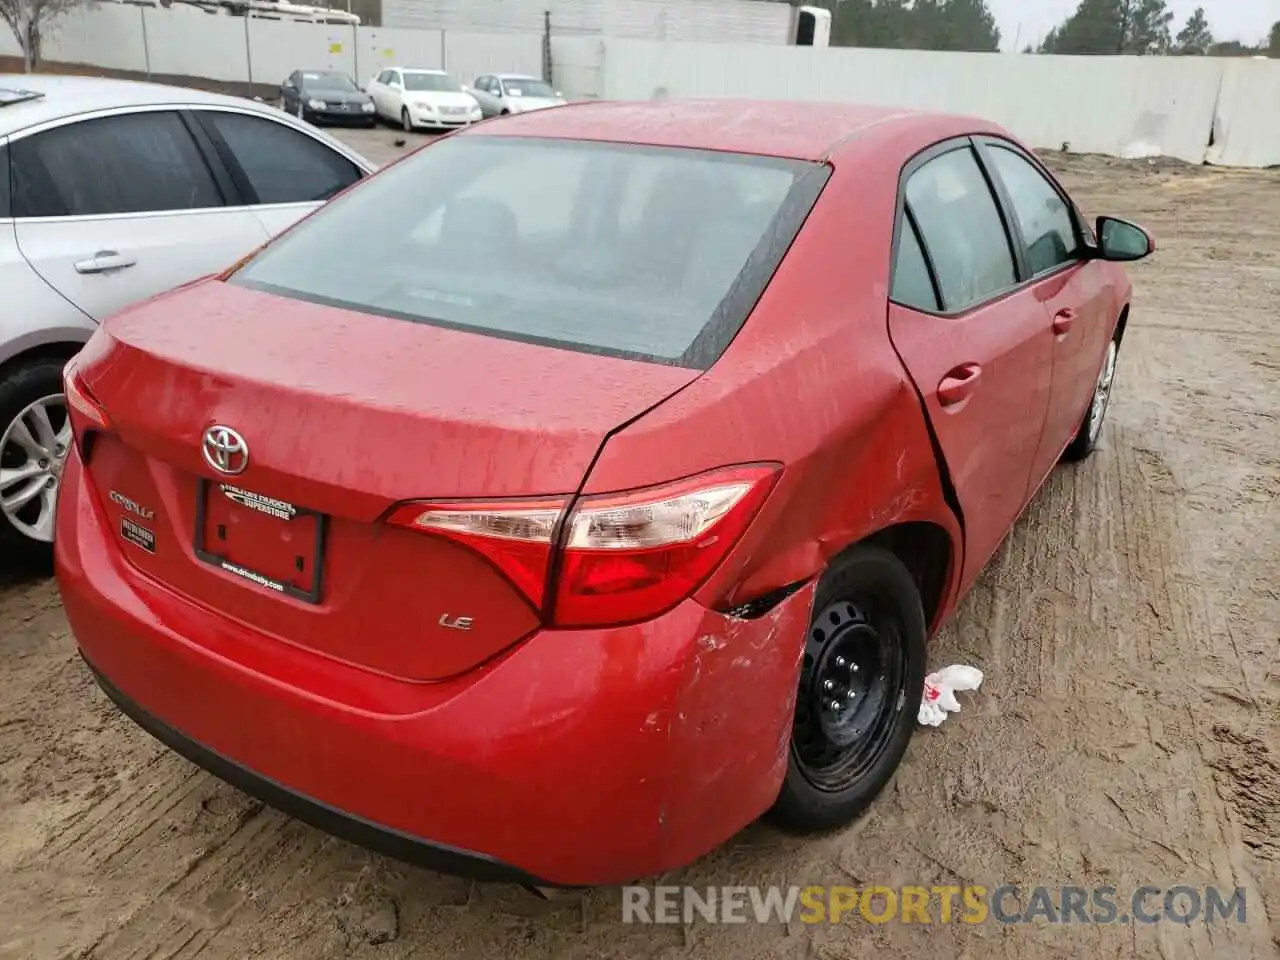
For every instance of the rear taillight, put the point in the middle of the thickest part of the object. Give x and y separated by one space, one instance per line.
85 413
618 558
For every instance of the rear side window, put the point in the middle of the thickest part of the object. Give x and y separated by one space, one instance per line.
962 229
651 253
134 163
912 285
282 165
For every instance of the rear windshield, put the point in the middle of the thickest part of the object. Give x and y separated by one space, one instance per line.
650 253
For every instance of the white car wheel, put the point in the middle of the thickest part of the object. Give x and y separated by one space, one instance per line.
33 450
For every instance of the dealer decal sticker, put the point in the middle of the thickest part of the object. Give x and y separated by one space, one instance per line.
138 535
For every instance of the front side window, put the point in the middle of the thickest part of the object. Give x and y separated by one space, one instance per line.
961 226
133 163
1048 228
629 251
280 164
440 82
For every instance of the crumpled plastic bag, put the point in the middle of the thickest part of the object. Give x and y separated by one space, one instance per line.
940 690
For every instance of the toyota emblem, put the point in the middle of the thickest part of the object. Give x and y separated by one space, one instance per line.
225 450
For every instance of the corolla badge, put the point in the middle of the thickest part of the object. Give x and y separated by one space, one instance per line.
225 450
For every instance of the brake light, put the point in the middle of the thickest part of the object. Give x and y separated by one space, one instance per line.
84 411
622 557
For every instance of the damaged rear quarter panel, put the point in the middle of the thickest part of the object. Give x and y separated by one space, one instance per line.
730 731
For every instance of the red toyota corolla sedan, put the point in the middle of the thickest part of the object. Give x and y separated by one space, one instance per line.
583 486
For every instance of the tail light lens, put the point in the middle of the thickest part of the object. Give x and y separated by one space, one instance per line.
83 410
621 557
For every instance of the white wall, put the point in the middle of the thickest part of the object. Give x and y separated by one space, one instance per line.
1096 104
185 41
749 21
1123 106
1247 126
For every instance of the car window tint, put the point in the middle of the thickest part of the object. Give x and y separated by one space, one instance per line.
4 182
961 226
283 165
1045 219
522 238
912 286
136 163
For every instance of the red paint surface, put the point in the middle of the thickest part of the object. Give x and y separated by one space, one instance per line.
587 755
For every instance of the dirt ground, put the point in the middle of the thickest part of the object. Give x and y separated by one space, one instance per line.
1128 731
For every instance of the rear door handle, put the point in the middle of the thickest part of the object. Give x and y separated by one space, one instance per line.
104 261
959 384
1064 320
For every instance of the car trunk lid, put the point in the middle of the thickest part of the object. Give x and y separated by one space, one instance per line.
343 415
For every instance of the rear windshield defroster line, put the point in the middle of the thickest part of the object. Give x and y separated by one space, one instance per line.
656 254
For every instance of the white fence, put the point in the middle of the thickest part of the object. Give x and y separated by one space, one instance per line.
1123 106
187 42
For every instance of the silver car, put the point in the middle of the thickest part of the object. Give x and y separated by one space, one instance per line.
505 93
111 192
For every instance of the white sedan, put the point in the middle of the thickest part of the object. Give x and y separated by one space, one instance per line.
422 98
113 191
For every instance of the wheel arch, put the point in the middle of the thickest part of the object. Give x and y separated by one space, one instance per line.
929 553
62 348
1121 324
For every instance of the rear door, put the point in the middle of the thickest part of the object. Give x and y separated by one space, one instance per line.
282 172
974 338
1071 287
116 208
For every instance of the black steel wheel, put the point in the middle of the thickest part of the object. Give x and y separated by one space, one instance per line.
850 685
861 680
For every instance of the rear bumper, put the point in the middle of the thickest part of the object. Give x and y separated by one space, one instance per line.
575 758
351 828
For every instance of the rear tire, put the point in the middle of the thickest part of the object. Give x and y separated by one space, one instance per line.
865 652
37 382
1090 430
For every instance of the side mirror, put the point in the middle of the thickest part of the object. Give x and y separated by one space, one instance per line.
1123 241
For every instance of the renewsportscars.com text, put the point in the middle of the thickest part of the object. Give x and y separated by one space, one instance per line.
1006 904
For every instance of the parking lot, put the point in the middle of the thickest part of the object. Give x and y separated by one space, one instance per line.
1128 731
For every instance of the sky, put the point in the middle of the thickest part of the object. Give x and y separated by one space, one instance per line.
1248 20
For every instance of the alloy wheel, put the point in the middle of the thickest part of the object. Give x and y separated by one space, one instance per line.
851 685
33 451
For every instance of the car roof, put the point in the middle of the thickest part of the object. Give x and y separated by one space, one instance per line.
515 76
801 131
65 96
441 73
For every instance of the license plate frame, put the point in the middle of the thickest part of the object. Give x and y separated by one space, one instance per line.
205 488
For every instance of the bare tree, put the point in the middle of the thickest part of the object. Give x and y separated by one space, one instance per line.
30 20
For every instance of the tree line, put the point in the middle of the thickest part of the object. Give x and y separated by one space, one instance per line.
1099 27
